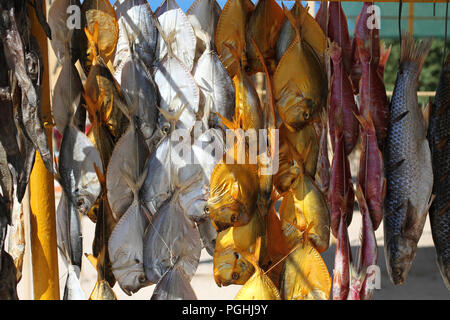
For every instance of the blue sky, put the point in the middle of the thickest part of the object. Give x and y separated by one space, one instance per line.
185 4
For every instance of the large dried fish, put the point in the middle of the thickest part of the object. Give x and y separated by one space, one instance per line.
438 135
408 165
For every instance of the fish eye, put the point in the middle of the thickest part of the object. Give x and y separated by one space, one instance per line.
235 275
234 218
236 255
142 278
206 209
136 260
306 115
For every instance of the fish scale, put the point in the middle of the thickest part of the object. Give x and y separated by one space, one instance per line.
407 165
438 133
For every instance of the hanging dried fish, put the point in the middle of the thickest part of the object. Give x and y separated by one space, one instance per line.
204 16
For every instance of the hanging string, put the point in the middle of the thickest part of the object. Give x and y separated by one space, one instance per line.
445 36
400 7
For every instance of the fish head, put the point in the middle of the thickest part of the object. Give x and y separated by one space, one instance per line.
401 251
299 113
133 280
230 267
233 194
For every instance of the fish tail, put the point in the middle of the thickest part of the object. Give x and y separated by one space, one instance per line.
412 52
295 22
384 55
364 49
93 39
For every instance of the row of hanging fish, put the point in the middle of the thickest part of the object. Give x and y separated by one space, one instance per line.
22 131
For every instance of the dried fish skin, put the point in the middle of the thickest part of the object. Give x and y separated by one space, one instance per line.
136 29
76 168
407 159
180 37
6 182
177 90
16 238
216 88
174 285
170 237
8 281
129 157
126 250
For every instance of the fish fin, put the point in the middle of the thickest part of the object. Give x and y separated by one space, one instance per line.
234 53
426 111
397 165
400 117
93 39
367 124
363 47
93 260
412 52
384 57
229 124
253 258
295 22
172 118
163 35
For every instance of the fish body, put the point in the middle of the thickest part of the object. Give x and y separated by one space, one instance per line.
305 275
368 251
373 99
338 32
341 195
72 290
371 172
216 89
342 260
440 151
171 237
230 267
136 29
310 32
203 16
408 166
304 207
179 34
263 26
342 102
230 32
174 285
99 13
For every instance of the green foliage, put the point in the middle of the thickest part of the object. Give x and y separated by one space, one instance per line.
430 73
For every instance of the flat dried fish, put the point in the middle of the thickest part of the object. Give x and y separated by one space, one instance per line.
177 90
178 35
171 236
130 155
136 28
203 16
174 285
216 88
